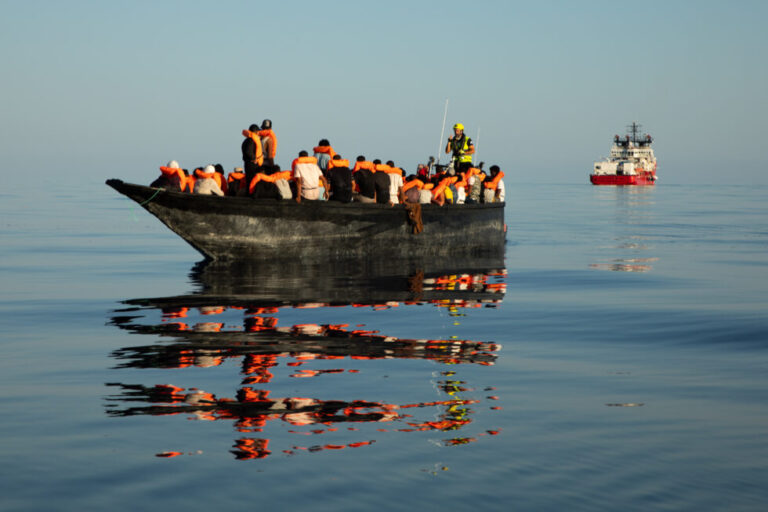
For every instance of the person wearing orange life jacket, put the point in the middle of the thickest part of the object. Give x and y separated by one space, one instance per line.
340 179
221 178
461 148
308 178
381 181
494 187
411 189
268 142
206 183
395 183
324 154
236 184
172 177
253 154
363 174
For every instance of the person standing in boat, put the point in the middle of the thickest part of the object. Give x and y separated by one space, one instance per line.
461 148
268 142
253 154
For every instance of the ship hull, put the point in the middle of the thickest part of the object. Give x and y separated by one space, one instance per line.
227 228
644 179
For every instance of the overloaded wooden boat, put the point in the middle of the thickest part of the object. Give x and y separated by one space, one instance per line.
245 228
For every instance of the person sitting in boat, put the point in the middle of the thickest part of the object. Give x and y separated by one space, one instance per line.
324 154
271 183
340 179
205 182
461 148
494 187
410 192
381 181
221 178
395 183
268 142
363 174
236 184
253 154
172 177
308 178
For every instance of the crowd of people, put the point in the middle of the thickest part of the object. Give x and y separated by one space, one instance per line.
329 176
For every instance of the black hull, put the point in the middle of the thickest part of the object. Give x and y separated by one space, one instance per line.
244 228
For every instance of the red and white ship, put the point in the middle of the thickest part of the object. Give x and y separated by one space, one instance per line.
631 162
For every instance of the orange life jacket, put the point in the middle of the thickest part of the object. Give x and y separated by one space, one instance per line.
170 172
395 170
236 179
382 168
254 136
445 182
325 149
218 178
494 183
303 160
282 175
364 165
413 183
340 162
269 134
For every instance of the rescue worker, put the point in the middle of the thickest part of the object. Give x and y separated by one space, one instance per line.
253 154
461 148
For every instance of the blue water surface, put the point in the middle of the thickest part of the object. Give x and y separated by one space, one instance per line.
618 360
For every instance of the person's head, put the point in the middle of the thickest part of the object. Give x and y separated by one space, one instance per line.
361 158
266 124
323 143
209 169
337 157
458 129
303 153
173 164
219 168
376 162
390 163
494 170
253 128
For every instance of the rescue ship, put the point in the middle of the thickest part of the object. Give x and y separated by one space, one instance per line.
239 228
631 161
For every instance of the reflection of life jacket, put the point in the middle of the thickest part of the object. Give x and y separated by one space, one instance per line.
271 178
459 147
268 142
339 162
259 160
364 165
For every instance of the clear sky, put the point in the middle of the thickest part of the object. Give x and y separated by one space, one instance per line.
115 89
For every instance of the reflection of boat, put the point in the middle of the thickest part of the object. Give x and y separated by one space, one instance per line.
631 161
240 228
197 331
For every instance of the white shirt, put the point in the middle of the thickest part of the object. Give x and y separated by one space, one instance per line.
310 179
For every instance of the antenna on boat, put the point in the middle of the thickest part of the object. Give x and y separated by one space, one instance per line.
442 132
634 130
477 143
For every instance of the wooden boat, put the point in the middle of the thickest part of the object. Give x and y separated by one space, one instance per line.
246 228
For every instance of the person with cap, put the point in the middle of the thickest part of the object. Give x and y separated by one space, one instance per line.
206 182
268 142
172 177
461 148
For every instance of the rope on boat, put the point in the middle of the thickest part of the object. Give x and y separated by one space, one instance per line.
151 198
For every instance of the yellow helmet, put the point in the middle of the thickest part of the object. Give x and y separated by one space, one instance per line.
458 126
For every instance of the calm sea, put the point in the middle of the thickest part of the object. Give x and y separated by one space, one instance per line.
616 359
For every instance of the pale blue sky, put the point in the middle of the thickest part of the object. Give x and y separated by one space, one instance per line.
115 89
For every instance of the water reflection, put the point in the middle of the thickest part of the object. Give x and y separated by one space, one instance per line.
633 214
234 321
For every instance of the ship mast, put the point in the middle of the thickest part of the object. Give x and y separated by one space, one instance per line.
634 130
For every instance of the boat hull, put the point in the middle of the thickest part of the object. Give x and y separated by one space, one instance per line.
246 228
622 179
